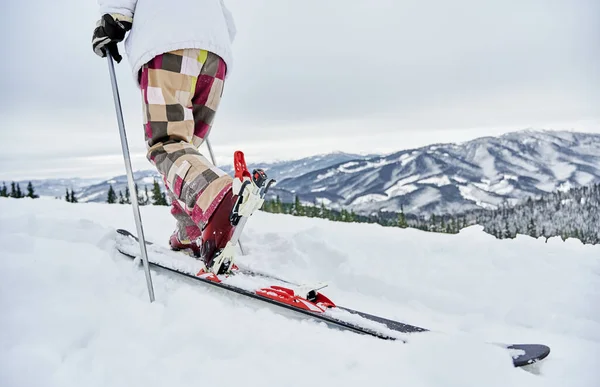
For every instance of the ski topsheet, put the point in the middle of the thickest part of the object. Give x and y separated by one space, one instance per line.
261 287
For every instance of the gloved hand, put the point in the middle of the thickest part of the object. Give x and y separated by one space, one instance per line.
110 30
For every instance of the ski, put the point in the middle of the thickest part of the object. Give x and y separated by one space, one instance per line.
313 305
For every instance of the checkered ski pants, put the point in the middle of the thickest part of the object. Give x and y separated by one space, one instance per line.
181 91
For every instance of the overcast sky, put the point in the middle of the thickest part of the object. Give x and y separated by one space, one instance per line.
310 76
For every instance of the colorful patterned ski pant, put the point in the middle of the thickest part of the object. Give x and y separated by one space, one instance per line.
181 91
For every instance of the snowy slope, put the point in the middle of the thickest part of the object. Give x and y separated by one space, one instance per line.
75 313
446 178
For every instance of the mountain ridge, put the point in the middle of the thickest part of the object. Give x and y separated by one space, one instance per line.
438 178
453 177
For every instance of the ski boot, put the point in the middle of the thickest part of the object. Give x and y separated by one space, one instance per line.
178 244
221 234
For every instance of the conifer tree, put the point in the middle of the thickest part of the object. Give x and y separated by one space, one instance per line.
73 198
531 228
297 210
112 196
278 205
121 198
3 191
67 195
402 218
19 194
31 191
432 222
158 197
322 211
507 234
127 196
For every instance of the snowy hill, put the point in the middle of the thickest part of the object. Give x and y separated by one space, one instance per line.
75 312
447 178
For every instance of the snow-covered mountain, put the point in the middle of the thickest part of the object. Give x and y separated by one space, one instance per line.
440 178
446 178
57 187
98 192
95 190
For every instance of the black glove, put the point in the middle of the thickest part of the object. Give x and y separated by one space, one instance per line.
109 31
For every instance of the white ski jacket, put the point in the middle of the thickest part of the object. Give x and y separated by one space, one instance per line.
161 26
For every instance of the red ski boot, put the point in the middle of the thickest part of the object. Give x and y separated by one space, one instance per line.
221 233
178 245
218 232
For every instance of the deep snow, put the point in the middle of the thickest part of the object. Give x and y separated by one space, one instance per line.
76 313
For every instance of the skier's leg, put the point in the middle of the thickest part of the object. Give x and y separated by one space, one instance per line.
181 92
187 234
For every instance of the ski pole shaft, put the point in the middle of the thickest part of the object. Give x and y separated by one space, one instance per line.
130 181
214 161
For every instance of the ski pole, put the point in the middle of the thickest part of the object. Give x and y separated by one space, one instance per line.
130 181
214 161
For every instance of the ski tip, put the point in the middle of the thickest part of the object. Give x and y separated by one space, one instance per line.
527 354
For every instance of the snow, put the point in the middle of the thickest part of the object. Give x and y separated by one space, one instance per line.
503 187
76 313
328 174
400 189
547 186
402 186
426 196
348 166
486 161
479 196
406 158
436 180
324 201
369 198
564 187
584 178
562 170
499 187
